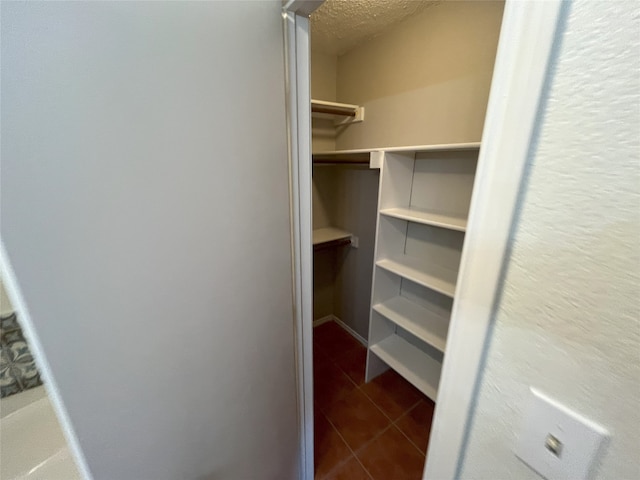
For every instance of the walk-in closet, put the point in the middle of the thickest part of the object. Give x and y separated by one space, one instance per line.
399 93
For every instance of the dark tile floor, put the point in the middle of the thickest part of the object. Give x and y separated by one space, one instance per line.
373 431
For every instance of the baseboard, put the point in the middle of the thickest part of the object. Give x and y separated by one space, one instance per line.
350 330
325 319
346 327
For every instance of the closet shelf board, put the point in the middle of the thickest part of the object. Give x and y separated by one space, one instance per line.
329 234
428 218
424 324
418 368
416 148
339 108
421 277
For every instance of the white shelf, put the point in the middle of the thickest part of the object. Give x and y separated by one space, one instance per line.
426 325
428 218
432 280
329 234
344 113
443 147
414 365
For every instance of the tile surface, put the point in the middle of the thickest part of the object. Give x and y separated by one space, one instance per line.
392 393
392 456
416 424
330 449
351 470
357 419
384 424
353 364
18 370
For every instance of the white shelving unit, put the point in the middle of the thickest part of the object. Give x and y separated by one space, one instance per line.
428 326
417 367
423 204
418 275
428 218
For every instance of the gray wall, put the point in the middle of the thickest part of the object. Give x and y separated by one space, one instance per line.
347 198
145 212
568 318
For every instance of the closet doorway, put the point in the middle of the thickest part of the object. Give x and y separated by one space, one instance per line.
399 95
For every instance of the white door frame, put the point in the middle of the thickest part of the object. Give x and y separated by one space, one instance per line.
526 41
298 98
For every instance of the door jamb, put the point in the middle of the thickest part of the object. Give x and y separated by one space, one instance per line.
298 99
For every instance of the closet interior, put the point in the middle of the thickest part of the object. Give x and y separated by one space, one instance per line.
399 94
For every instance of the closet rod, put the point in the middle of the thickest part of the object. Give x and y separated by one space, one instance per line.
332 111
362 163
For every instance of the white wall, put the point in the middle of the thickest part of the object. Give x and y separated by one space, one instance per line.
425 80
145 211
568 319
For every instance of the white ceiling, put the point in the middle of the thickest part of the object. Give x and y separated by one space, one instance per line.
340 25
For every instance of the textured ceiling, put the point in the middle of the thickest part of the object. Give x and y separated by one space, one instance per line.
340 25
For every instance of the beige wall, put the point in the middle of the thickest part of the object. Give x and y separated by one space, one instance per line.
426 80
568 321
324 270
5 305
323 87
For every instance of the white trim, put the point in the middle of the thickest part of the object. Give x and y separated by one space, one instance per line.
301 7
322 320
526 41
20 307
347 328
351 331
297 77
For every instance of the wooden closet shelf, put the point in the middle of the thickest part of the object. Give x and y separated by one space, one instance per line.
421 322
418 368
428 218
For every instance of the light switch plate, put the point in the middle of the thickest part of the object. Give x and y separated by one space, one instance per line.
548 427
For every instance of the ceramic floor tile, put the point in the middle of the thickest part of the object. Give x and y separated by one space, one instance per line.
353 363
416 424
392 457
351 470
392 394
356 418
334 340
330 449
330 384
320 359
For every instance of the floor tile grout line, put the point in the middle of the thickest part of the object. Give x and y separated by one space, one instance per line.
395 424
353 453
369 441
378 407
341 463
